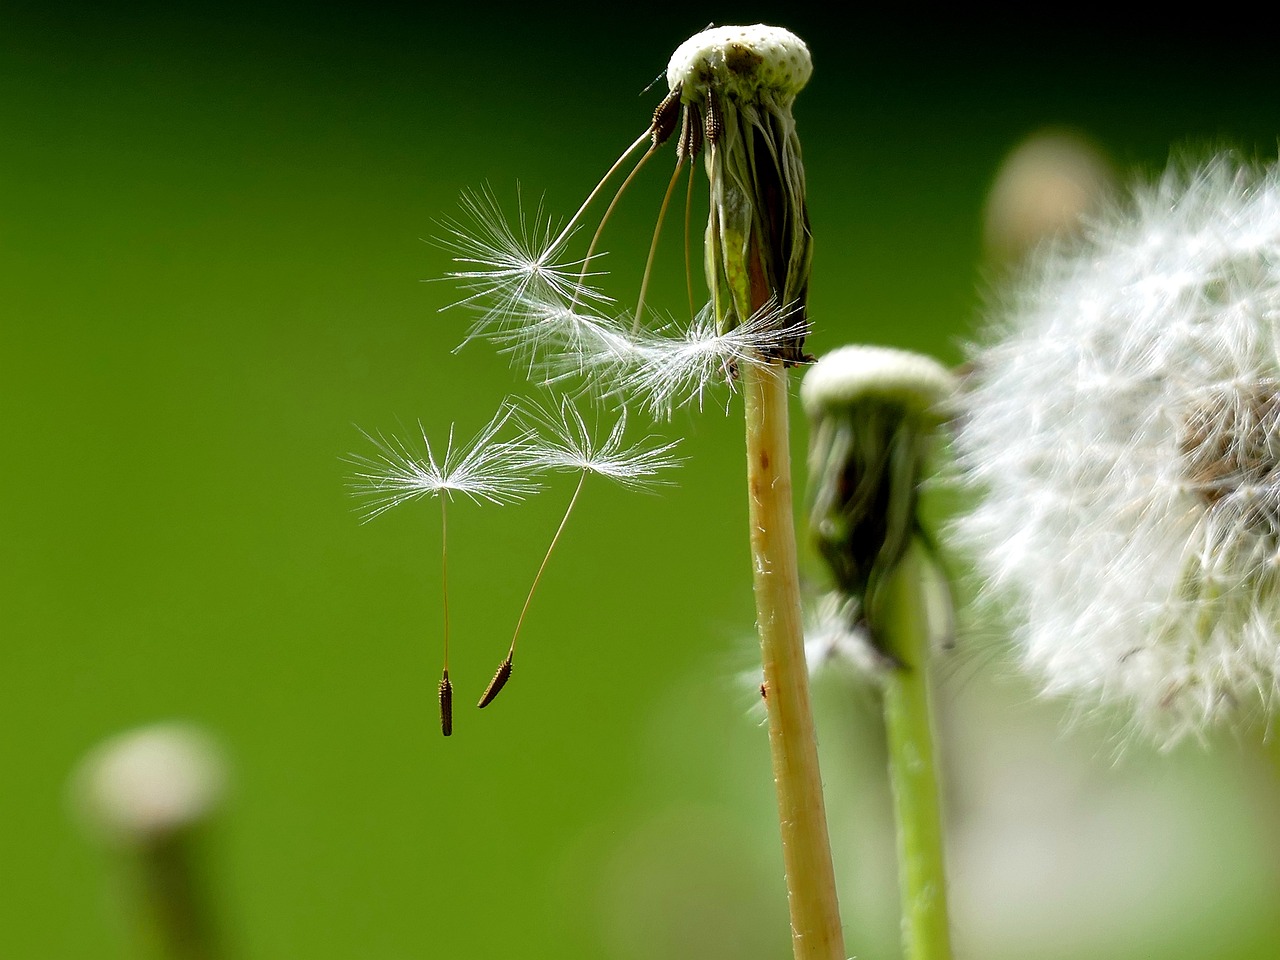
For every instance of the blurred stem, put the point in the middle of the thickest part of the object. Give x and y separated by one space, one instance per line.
912 768
815 915
177 914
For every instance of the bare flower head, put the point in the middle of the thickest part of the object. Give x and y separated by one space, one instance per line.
1123 428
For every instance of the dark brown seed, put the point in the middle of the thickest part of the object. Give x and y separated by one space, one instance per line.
497 683
691 132
446 705
714 122
665 117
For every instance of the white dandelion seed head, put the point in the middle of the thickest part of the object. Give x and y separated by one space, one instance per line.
563 442
742 61
1123 429
482 469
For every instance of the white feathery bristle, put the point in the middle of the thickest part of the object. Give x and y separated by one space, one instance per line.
1123 428
562 441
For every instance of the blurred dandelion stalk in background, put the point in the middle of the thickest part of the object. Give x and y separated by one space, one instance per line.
148 795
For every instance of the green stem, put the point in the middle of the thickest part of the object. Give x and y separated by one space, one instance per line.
806 850
912 768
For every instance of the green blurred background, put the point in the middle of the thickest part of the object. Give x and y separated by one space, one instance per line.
211 248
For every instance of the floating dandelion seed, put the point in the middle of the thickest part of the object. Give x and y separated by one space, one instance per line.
1123 427
483 469
511 271
564 443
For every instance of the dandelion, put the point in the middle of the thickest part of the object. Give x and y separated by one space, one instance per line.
1123 429
564 443
483 470
148 794
678 369
874 412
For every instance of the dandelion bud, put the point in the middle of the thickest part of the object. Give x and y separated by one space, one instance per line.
146 785
1123 427
743 80
873 413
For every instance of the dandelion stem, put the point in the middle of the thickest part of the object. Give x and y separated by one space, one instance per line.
912 770
177 907
815 919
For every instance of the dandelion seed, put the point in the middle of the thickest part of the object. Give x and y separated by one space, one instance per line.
1123 429
564 443
483 469
507 266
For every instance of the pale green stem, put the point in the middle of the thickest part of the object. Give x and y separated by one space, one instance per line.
816 933
922 875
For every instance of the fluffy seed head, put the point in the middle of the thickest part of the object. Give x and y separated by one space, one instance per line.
848 376
1123 428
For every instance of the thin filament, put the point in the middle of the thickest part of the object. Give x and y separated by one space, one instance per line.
653 247
595 238
688 216
599 186
444 576
538 576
